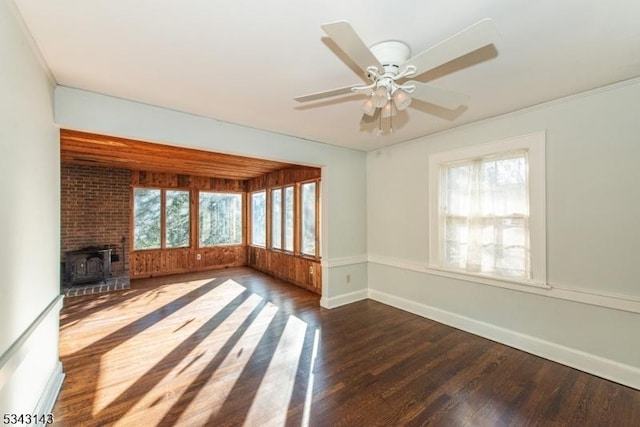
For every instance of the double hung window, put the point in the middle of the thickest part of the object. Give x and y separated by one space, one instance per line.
487 209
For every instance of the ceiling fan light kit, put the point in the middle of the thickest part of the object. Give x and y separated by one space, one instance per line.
369 107
388 65
402 99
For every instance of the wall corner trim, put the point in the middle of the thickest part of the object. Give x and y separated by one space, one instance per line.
615 371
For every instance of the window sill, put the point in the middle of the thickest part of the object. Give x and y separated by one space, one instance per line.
309 257
505 282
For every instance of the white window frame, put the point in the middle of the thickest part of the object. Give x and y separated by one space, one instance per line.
534 143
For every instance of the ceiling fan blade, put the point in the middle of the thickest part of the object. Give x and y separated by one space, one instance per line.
348 40
478 35
326 94
433 95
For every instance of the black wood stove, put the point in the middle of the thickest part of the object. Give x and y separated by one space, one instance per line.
87 265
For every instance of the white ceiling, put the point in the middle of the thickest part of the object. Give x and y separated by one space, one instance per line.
244 61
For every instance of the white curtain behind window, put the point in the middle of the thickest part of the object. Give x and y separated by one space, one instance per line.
485 215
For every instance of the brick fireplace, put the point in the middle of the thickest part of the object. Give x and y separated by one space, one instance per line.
95 215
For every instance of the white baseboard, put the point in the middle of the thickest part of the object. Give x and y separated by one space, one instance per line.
345 299
50 393
596 365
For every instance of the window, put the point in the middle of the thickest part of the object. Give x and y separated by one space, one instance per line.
153 231
258 218
282 217
177 219
308 218
147 210
276 218
292 221
219 219
288 219
487 209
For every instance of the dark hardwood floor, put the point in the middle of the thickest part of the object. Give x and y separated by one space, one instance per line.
237 347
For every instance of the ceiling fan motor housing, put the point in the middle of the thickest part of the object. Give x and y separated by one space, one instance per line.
391 55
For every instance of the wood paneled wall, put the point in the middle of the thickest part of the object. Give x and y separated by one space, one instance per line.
303 272
300 270
174 180
158 262
283 177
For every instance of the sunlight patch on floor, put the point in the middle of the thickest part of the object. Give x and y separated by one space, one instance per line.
135 306
271 403
212 395
110 385
154 405
308 399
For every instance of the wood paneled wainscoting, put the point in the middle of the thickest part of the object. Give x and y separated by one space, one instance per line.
170 261
304 272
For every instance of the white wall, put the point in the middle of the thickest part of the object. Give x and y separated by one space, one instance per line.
593 230
343 170
30 370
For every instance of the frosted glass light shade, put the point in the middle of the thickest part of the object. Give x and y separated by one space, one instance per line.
389 110
369 107
402 99
380 97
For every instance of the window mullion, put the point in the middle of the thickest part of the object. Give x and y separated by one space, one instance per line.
317 219
163 219
194 215
283 215
297 238
267 218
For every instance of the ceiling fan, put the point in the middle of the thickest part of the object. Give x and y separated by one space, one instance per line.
389 67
